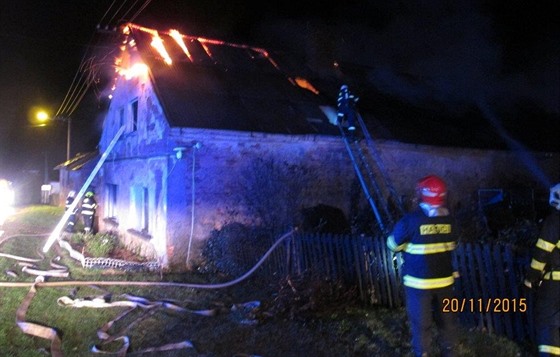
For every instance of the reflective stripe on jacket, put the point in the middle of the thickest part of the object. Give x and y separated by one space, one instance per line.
88 206
427 244
545 262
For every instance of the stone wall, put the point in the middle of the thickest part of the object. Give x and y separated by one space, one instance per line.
221 174
277 175
230 170
468 170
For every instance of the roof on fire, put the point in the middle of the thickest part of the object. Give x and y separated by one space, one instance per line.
218 85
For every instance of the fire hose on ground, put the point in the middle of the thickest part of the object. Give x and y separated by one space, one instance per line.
130 301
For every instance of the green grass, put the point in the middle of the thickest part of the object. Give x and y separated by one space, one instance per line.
36 219
77 327
43 309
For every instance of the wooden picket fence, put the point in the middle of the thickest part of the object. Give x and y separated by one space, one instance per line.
489 293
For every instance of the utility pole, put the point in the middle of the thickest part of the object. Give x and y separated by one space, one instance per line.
46 179
43 116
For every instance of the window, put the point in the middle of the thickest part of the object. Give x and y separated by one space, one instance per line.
111 191
140 209
134 114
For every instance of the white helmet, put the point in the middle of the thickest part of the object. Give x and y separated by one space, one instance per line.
72 194
554 199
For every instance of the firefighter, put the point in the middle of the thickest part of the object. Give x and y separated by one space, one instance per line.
89 206
346 103
543 275
427 237
72 218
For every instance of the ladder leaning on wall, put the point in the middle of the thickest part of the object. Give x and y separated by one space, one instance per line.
370 170
56 232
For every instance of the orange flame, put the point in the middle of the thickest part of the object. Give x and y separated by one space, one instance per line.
304 83
137 70
179 39
140 69
157 43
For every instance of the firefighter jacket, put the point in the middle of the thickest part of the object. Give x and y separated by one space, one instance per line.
88 206
346 104
427 244
545 262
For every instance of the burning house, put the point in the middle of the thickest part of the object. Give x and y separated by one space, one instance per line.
207 125
202 133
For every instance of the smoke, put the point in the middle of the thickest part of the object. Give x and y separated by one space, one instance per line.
522 153
439 53
453 55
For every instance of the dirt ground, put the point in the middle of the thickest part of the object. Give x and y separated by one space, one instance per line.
301 319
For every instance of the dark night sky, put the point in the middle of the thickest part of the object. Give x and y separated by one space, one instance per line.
501 57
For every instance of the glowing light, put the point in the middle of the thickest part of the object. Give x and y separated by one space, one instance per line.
42 116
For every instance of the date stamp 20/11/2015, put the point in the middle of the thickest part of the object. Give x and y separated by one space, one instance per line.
480 305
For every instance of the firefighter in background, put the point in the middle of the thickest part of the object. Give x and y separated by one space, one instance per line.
427 238
544 276
346 103
89 206
72 218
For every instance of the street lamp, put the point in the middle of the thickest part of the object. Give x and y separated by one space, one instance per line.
43 116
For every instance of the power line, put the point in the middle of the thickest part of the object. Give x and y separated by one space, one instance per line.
91 66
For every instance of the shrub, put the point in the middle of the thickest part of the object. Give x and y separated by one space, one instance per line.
78 239
235 249
100 244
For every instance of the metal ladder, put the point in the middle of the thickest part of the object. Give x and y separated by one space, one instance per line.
368 165
56 232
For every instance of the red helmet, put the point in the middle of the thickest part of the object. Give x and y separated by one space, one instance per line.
432 190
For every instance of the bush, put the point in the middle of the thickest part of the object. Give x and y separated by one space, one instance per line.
235 249
100 244
78 239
